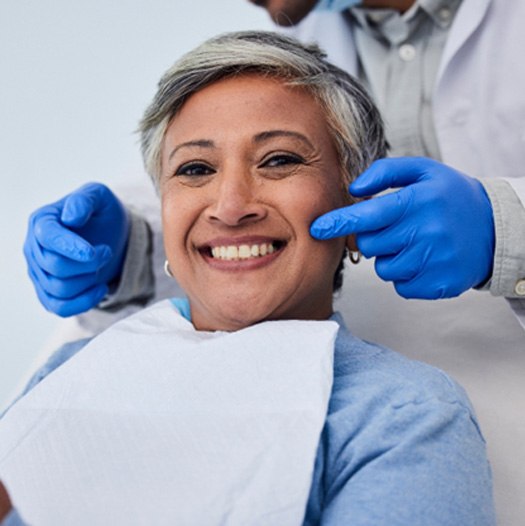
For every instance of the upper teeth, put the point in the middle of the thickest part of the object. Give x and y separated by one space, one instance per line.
232 252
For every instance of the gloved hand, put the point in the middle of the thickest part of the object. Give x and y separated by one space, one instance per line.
434 238
75 248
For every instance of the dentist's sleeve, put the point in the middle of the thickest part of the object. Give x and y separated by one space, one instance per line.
136 284
508 203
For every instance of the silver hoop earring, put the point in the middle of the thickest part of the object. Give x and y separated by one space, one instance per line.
167 269
355 256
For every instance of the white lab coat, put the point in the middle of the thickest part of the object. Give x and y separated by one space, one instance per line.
481 68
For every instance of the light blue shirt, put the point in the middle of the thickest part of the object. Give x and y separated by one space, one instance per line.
401 444
13 519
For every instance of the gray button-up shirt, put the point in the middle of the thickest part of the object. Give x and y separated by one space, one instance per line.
399 57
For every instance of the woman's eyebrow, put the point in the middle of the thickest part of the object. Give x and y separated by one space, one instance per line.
270 134
201 143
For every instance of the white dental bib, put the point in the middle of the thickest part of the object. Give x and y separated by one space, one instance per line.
154 422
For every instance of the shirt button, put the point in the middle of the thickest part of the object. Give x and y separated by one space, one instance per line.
519 289
407 52
445 14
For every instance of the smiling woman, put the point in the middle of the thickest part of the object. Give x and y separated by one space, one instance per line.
247 148
248 402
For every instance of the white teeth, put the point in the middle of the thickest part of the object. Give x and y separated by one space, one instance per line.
233 253
244 252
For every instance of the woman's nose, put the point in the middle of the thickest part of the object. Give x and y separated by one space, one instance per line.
235 201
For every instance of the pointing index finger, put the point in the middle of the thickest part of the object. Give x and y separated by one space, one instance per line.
390 173
366 216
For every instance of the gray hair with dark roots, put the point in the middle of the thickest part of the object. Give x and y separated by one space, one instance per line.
353 119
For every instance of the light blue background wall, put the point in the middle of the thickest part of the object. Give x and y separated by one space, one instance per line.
74 78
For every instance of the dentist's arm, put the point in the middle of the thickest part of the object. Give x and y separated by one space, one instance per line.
433 237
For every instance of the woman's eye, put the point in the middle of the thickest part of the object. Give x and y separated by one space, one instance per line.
194 170
281 160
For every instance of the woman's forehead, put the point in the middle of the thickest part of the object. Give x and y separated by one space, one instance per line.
250 102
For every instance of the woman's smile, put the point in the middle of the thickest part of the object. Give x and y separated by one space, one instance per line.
243 253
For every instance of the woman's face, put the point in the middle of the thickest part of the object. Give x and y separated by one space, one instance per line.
247 164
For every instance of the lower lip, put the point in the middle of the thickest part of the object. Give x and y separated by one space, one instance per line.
237 265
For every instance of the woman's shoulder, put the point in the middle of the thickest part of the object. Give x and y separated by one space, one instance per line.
401 444
375 372
58 358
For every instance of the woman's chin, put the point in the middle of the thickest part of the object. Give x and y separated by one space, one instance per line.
236 312
232 317
229 322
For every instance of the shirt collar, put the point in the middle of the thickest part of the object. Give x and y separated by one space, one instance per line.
442 12
396 27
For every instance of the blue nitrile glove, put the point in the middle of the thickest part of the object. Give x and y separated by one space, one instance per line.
75 248
335 5
434 238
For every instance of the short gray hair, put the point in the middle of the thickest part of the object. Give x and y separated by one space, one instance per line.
352 117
